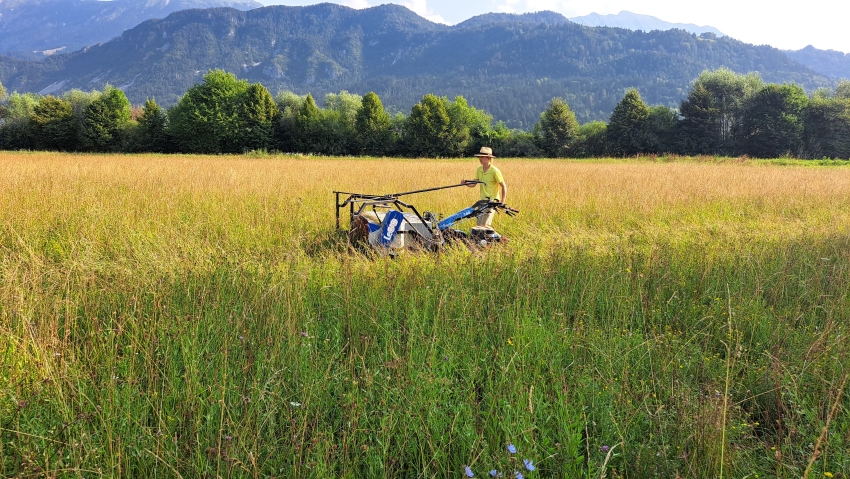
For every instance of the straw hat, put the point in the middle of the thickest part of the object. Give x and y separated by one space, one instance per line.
486 151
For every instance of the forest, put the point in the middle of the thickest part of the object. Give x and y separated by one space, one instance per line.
724 113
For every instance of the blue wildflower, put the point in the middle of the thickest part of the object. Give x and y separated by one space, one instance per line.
529 464
495 473
518 475
511 449
469 471
604 448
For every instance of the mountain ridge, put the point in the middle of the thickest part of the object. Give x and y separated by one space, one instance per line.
32 29
547 17
831 63
637 21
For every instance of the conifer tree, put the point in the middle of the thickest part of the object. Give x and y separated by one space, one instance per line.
305 137
558 129
152 133
628 129
698 130
258 114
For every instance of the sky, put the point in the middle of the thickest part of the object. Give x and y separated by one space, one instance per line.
788 26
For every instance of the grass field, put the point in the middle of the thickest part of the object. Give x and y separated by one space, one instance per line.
188 316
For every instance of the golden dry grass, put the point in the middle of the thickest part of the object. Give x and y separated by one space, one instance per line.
178 198
640 187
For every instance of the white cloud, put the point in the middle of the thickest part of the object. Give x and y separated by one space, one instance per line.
421 9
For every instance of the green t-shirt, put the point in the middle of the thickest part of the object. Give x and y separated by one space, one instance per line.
490 189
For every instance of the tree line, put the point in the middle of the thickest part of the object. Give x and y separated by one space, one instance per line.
724 113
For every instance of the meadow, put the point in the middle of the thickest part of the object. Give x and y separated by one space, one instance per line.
198 316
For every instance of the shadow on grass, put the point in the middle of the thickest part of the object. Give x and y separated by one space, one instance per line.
332 241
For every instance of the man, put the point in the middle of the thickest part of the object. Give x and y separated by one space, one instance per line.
493 186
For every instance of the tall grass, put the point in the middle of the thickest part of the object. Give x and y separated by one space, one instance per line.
199 317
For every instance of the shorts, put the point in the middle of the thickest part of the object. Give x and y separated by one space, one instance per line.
486 219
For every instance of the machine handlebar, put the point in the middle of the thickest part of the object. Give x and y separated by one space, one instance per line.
498 205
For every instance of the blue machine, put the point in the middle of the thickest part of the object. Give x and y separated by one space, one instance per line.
390 227
460 215
388 223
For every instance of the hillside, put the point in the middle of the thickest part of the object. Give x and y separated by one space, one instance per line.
536 18
827 62
508 68
37 28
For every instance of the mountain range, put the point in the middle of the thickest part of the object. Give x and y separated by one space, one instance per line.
37 28
636 21
31 29
508 65
34 29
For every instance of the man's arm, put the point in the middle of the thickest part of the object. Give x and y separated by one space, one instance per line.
504 188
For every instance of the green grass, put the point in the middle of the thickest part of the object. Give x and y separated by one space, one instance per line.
187 328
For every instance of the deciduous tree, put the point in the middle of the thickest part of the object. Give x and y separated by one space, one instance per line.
289 105
15 132
717 100
426 132
591 140
372 125
105 120
772 125
469 127
662 129
842 90
826 128
53 126
206 119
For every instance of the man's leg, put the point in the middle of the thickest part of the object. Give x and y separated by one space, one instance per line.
486 219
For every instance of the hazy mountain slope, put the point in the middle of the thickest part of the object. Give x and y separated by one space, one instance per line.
536 18
32 28
826 62
636 21
510 69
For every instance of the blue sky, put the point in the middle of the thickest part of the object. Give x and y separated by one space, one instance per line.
784 25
